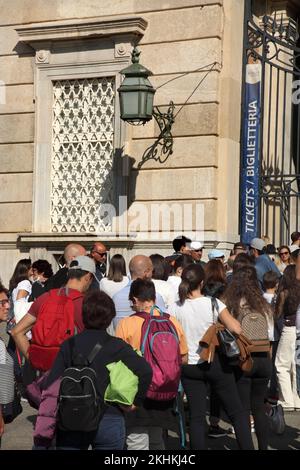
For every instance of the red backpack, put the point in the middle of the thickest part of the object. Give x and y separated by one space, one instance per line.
160 348
55 324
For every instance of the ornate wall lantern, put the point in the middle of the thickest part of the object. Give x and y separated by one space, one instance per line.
136 92
136 103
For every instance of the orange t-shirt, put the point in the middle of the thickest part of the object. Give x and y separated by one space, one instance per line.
130 330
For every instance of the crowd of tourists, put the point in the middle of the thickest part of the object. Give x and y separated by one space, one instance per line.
113 357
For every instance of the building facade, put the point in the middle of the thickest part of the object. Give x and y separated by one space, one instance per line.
71 170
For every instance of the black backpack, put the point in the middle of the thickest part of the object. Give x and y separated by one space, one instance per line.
80 406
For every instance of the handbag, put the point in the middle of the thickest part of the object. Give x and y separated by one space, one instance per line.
123 384
276 419
11 410
227 341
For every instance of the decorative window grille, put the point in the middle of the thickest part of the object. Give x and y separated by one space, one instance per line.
82 154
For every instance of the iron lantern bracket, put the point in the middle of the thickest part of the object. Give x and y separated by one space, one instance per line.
162 148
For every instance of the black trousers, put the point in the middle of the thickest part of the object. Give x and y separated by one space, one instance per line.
253 388
220 376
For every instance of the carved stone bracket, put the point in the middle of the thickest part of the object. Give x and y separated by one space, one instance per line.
42 56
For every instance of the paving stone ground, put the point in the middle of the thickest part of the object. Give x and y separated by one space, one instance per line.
18 435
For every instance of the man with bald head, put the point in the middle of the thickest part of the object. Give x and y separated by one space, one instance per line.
140 266
60 278
99 255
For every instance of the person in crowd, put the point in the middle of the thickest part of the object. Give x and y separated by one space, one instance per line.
20 283
216 254
294 250
140 266
20 287
145 426
6 372
79 278
99 255
196 252
41 272
98 310
270 250
180 245
175 278
195 313
215 279
270 286
240 260
214 285
60 278
242 296
262 261
159 278
284 258
116 278
288 301
295 238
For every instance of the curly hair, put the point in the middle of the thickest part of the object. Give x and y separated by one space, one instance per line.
288 299
245 286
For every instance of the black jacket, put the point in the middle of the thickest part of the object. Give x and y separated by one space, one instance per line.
114 349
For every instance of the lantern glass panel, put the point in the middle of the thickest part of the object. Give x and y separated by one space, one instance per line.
130 103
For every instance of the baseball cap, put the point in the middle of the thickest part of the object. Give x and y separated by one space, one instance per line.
258 244
294 248
240 246
84 263
215 254
195 245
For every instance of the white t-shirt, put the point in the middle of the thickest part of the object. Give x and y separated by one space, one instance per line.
174 282
196 316
165 290
112 287
23 285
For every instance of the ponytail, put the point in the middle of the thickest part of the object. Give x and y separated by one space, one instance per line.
184 291
192 277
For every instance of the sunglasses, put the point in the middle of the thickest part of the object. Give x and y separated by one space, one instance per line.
284 253
100 254
3 302
198 251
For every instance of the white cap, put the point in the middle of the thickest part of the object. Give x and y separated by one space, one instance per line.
195 246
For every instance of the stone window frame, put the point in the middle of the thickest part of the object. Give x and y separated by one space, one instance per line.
113 38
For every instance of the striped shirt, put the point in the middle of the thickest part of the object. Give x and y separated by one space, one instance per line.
6 376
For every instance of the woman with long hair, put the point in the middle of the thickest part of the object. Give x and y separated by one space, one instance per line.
284 258
243 296
214 285
116 278
288 301
215 278
19 284
195 313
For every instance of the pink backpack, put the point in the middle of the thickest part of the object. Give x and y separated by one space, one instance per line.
160 348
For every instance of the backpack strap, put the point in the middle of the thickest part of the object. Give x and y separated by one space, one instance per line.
93 352
155 307
214 307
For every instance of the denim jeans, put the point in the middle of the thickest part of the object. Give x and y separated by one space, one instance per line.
109 436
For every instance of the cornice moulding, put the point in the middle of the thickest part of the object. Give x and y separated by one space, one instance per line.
36 33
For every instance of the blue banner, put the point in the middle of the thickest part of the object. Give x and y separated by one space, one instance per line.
250 155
